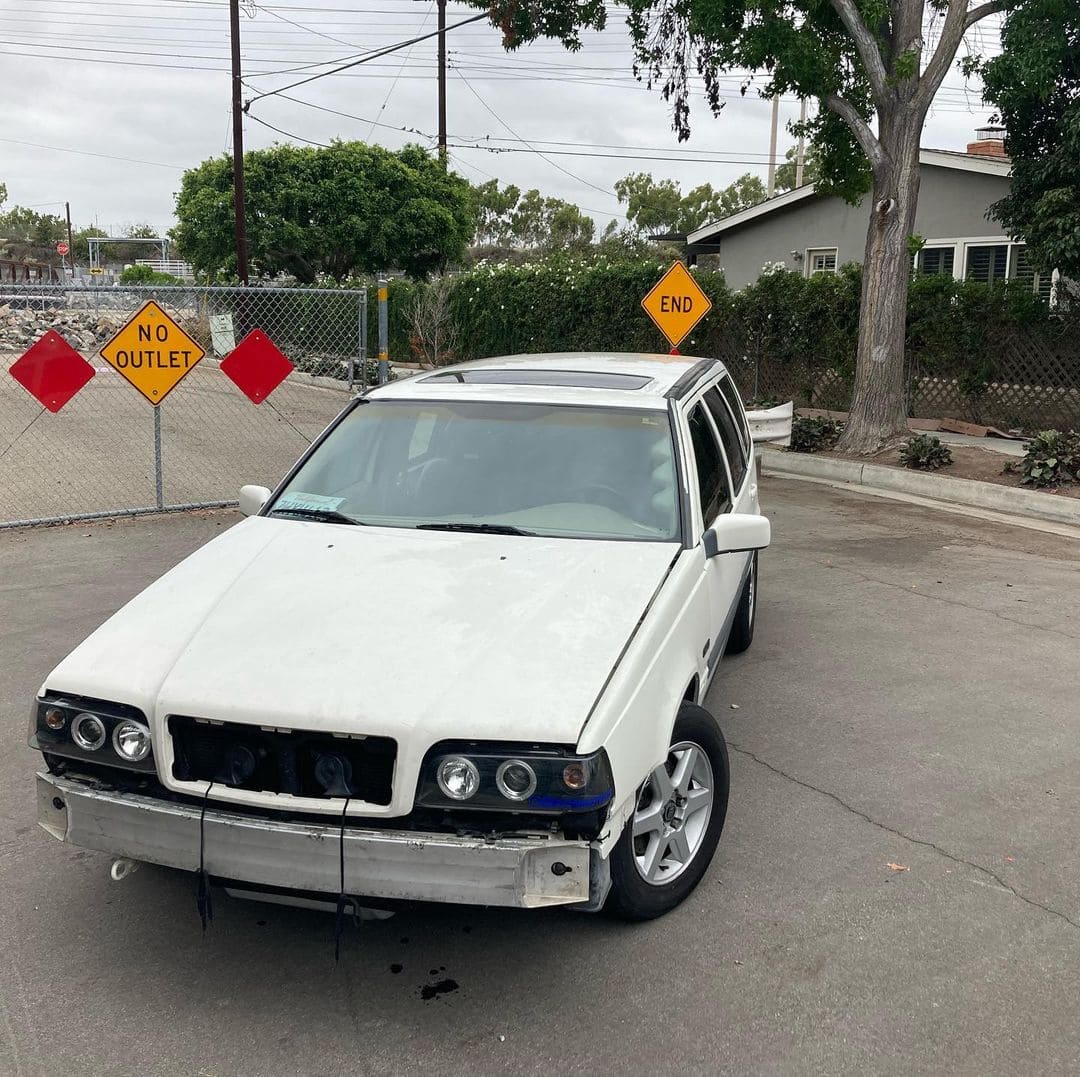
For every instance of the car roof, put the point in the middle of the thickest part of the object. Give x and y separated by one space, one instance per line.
603 379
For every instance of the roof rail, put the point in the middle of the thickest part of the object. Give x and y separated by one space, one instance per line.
688 380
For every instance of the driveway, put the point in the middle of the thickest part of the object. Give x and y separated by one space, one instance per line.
896 889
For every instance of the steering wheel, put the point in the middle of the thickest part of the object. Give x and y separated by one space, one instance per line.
609 497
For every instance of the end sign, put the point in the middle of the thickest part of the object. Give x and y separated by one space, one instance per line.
676 303
152 352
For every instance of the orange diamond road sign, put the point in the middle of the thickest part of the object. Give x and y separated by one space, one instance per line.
676 303
152 352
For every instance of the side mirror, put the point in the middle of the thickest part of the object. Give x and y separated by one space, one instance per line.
737 533
252 498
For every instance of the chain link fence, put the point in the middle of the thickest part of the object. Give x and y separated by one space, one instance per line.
106 452
1023 378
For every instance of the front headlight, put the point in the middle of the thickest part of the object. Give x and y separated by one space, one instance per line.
93 731
533 778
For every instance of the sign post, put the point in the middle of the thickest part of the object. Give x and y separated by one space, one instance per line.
676 304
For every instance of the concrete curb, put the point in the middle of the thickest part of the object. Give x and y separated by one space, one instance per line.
979 495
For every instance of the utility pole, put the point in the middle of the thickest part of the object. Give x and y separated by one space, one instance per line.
772 144
238 145
800 153
442 81
71 242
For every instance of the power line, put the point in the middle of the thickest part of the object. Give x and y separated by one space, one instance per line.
566 172
91 153
361 60
287 134
397 77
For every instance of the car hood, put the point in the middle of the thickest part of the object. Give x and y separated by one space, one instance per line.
419 635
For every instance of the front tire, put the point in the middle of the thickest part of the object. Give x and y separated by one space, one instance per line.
668 843
742 629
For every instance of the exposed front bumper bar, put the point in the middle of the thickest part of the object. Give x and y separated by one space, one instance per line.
389 864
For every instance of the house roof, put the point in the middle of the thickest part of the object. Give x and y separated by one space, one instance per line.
965 162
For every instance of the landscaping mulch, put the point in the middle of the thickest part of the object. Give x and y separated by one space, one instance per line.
982 465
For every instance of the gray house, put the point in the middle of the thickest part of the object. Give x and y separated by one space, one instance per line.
812 233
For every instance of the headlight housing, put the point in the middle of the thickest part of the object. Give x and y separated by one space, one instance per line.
92 731
537 778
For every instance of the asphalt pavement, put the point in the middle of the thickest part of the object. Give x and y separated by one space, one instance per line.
896 889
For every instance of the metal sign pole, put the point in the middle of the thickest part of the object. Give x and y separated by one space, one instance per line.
384 333
158 484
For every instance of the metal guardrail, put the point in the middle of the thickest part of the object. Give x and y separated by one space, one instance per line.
109 452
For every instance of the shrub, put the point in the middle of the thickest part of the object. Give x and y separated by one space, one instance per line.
924 452
815 434
146 275
1052 457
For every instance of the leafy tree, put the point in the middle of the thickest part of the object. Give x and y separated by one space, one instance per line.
659 206
28 235
785 174
568 227
873 68
509 218
494 208
651 206
1035 84
338 210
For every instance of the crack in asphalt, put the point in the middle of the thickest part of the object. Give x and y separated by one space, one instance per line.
948 601
988 872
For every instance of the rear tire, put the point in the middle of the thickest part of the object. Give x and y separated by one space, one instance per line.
742 629
669 841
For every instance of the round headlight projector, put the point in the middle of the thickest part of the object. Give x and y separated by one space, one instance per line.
516 780
131 741
88 732
458 777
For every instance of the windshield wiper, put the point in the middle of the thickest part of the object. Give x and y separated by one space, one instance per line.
329 516
484 529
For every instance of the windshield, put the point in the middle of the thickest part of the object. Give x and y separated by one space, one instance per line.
540 469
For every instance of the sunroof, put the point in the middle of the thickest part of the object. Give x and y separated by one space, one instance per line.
582 379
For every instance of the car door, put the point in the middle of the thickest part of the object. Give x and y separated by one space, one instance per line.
724 573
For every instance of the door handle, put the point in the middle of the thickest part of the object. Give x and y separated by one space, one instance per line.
705 649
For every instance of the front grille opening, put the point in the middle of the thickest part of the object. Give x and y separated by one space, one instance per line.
316 765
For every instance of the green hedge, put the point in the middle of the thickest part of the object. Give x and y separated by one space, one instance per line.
785 336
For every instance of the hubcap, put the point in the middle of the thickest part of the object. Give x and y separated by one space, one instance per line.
673 812
752 593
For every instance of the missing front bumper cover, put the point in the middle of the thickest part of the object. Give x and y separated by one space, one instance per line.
390 864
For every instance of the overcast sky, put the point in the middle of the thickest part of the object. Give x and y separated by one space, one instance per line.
149 81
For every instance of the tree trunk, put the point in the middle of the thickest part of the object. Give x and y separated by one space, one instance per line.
879 403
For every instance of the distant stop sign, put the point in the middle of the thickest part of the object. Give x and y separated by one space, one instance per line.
62 248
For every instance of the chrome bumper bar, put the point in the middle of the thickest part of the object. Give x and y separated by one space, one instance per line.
528 872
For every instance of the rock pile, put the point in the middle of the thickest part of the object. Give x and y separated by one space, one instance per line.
84 330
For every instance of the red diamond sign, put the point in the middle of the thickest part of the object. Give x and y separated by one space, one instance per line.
52 371
256 366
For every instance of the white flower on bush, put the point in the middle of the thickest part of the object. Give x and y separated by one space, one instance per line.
772 267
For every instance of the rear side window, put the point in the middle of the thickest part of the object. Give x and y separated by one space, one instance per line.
712 478
729 435
731 395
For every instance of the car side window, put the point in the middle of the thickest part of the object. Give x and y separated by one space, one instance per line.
734 401
729 435
712 476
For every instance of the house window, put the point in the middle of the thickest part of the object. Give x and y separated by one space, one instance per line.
937 260
1022 269
821 260
987 264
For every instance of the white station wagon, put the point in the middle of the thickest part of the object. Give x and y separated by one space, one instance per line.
458 655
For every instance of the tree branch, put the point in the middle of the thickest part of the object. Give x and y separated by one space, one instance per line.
866 45
859 127
992 7
952 33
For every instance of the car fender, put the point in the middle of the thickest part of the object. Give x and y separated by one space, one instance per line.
633 719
